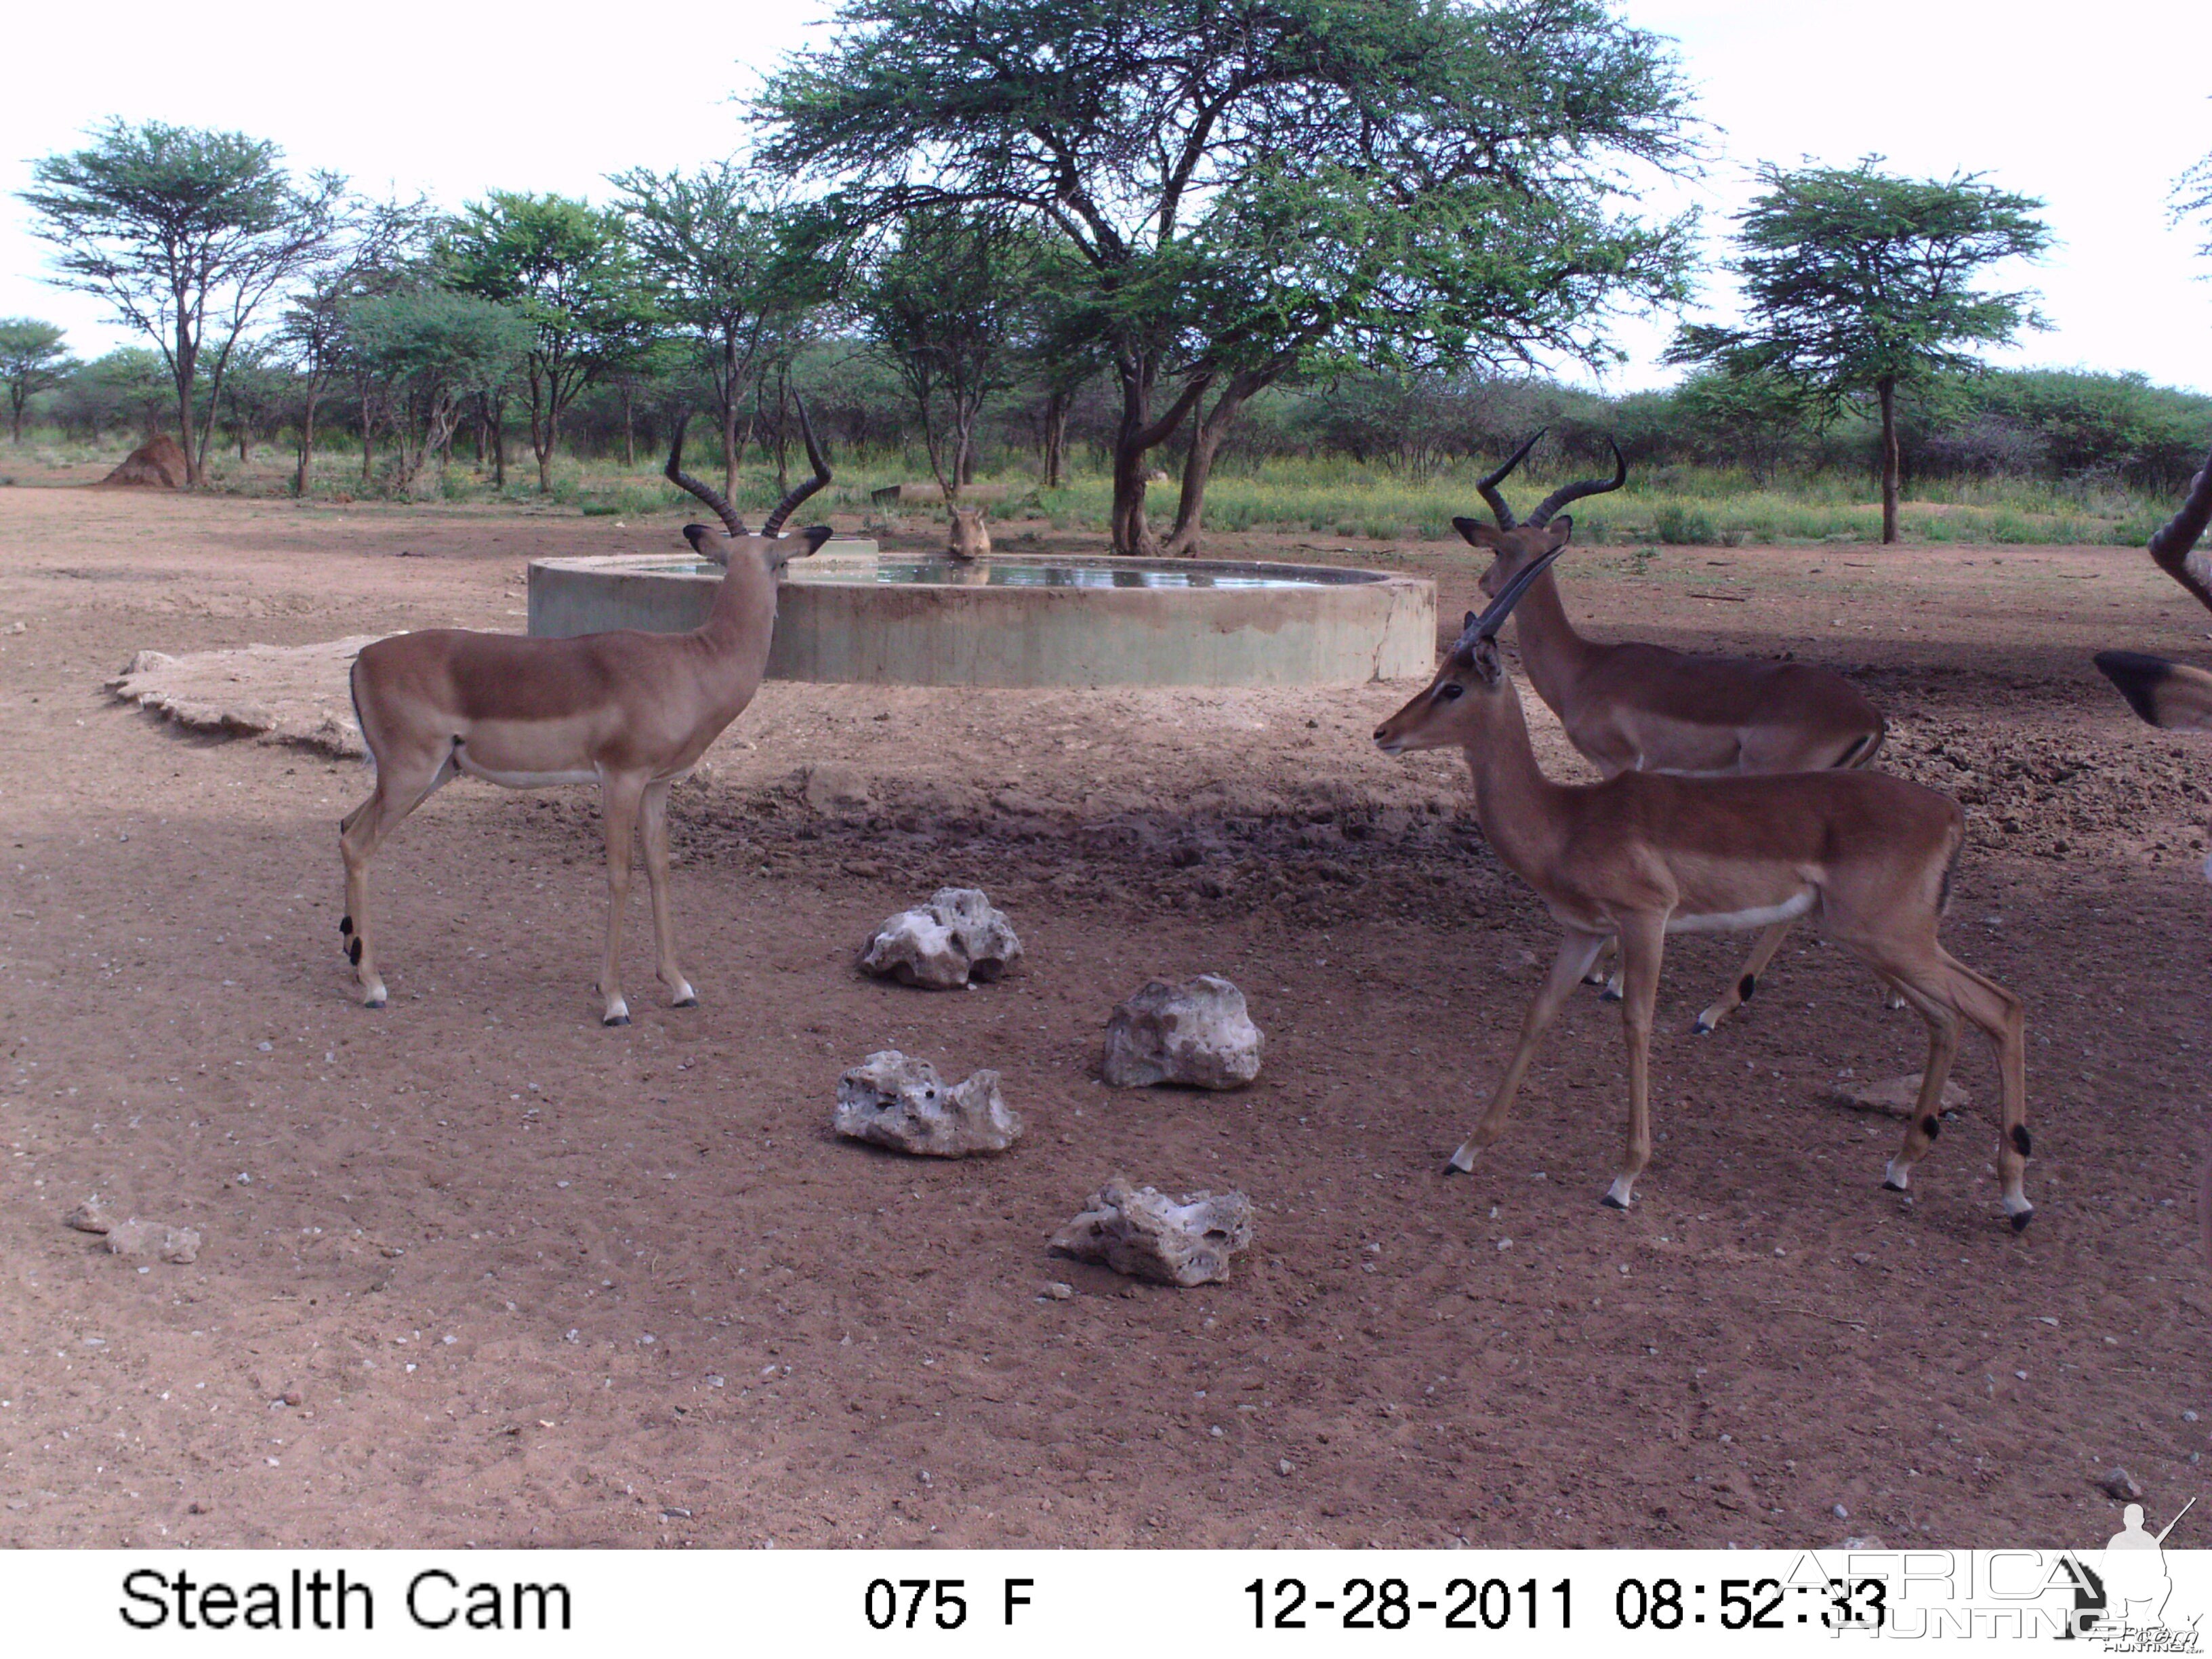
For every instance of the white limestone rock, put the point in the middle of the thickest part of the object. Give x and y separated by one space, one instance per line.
954 938
134 1238
1197 1033
1141 1232
893 1101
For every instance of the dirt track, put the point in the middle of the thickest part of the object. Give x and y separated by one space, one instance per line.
534 1281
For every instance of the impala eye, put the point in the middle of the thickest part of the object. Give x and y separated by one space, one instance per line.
1448 690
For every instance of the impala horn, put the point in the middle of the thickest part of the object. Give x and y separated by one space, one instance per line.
1574 492
685 481
2171 546
1489 486
789 504
1485 626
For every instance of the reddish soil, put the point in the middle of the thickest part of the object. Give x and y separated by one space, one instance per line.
533 1281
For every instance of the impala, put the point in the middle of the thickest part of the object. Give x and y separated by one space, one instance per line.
2172 693
629 711
1634 707
1646 853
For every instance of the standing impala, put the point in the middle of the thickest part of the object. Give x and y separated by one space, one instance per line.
1633 707
1647 853
629 711
2172 694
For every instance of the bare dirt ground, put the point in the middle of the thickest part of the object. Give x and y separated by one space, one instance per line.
533 1281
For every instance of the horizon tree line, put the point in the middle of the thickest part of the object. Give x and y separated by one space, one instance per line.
1197 209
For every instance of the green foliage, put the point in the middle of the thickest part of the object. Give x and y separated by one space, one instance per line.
566 268
1251 188
186 232
1855 279
431 351
948 304
32 360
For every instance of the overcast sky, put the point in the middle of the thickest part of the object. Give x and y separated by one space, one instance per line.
2094 109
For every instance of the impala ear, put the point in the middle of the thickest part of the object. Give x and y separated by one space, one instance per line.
1475 533
1484 660
1467 624
814 536
1562 528
708 542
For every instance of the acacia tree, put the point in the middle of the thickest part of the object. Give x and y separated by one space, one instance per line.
187 233
376 250
1253 186
1859 283
32 360
948 305
719 243
565 266
432 352
2192 198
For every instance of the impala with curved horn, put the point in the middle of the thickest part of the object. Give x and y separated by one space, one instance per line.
1648 854
1635 707
2171 694
629 711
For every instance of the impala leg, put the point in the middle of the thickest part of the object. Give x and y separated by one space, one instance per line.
1577 952
1747 981
1643 943
619 799
1942 980
1927 1120
653 818
400 789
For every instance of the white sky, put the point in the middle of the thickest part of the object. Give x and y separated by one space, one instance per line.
2095 109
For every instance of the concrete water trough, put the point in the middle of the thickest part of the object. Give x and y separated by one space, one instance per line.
849 615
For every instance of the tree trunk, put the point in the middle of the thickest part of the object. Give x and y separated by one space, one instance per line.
499 441
1198 465
1055 438
729 414
303 476
187 366
1888 390
16 411
1133 438
629 428
367 443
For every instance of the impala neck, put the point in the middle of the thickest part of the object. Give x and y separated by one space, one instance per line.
1518 807
1551 650
742 622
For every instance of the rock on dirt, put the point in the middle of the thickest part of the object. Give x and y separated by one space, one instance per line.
289 694
893 1101
1896 1095
1198 1033
1141 1232
90 1217
955 937
134 1238
2119 1484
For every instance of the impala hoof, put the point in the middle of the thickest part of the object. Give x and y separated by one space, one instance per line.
1889 1186
373 1002
1611 994
616 1019
1611 1203
685 1002
2019 1221
1702 1026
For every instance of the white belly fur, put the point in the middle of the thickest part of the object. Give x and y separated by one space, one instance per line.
1739 922
520 780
